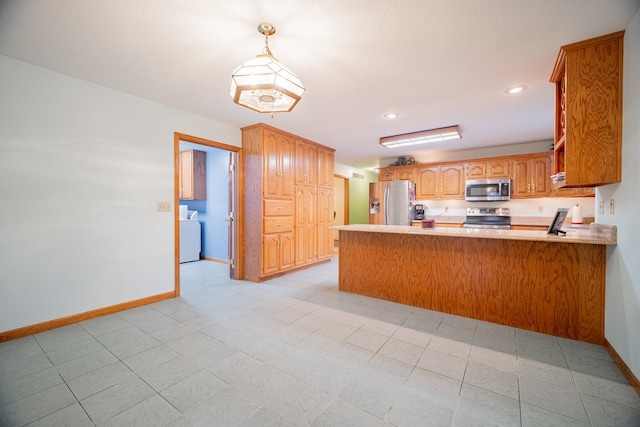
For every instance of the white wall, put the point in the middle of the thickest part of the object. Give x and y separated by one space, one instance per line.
622 306
82 168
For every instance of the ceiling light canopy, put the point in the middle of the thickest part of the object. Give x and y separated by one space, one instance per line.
391 116
263 84
422 137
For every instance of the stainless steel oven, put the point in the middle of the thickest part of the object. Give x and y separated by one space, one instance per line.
495 218
487 190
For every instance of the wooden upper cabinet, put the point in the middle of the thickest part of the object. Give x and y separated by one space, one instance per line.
193 175
306 169
489 169
588 111
325 167
531 176
278 165
398 173
452 178
440 182
427 185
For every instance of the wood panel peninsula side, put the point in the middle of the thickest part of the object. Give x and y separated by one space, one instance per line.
525 279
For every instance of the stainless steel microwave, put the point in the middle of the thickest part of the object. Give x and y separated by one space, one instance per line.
487 190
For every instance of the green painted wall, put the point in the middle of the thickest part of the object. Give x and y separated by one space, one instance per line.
359 198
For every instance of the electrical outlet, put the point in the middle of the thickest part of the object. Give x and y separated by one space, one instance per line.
164 206
602 206
612 206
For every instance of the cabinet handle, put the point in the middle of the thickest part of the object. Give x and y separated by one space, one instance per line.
484 170
490 170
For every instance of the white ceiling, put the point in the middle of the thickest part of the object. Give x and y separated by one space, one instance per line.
435 62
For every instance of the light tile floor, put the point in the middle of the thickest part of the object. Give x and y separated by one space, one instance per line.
294 351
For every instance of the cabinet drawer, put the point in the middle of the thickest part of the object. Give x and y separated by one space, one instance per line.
278 224
278 207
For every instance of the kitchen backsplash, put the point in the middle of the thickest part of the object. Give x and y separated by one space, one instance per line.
542 207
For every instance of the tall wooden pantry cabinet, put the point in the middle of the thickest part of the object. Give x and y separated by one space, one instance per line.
288 202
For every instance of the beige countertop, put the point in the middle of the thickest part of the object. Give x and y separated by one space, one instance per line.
572 236
515 220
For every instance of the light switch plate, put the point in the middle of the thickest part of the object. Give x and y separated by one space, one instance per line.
602 206
164 206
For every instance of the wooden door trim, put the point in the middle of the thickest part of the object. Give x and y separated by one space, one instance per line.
177 137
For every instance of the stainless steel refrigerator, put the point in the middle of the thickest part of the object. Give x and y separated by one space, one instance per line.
391 202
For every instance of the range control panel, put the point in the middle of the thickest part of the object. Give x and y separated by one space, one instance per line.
487 211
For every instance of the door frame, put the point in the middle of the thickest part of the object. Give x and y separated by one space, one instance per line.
177 137
345 202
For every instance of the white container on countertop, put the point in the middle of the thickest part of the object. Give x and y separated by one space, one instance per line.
576 214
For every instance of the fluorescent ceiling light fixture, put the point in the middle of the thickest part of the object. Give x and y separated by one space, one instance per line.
515 89
422 137
263 84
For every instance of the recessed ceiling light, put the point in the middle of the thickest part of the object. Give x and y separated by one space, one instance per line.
515 89
391 116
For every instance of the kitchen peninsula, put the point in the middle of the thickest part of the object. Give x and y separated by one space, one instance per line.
525 279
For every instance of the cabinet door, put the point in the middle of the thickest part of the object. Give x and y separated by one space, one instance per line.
186 172
271 154
325 220
452 182
540 176
325 167
407 173
305 163
270 249
428 182
520 182
588 75
476 170
278 154
287 251
306 240
287 154
311 235
193 175
386 174
499 169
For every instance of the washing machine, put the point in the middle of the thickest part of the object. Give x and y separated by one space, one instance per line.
190 243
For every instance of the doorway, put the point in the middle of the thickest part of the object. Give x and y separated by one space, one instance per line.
341 206
220 213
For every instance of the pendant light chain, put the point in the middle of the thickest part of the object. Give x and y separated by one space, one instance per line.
266 46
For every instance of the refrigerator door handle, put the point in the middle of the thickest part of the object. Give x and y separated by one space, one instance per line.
386 206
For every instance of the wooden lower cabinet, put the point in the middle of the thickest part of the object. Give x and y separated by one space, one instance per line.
277 252
548 287
285 226
325 220
306 230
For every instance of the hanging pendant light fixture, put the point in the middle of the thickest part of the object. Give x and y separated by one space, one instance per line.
263 84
